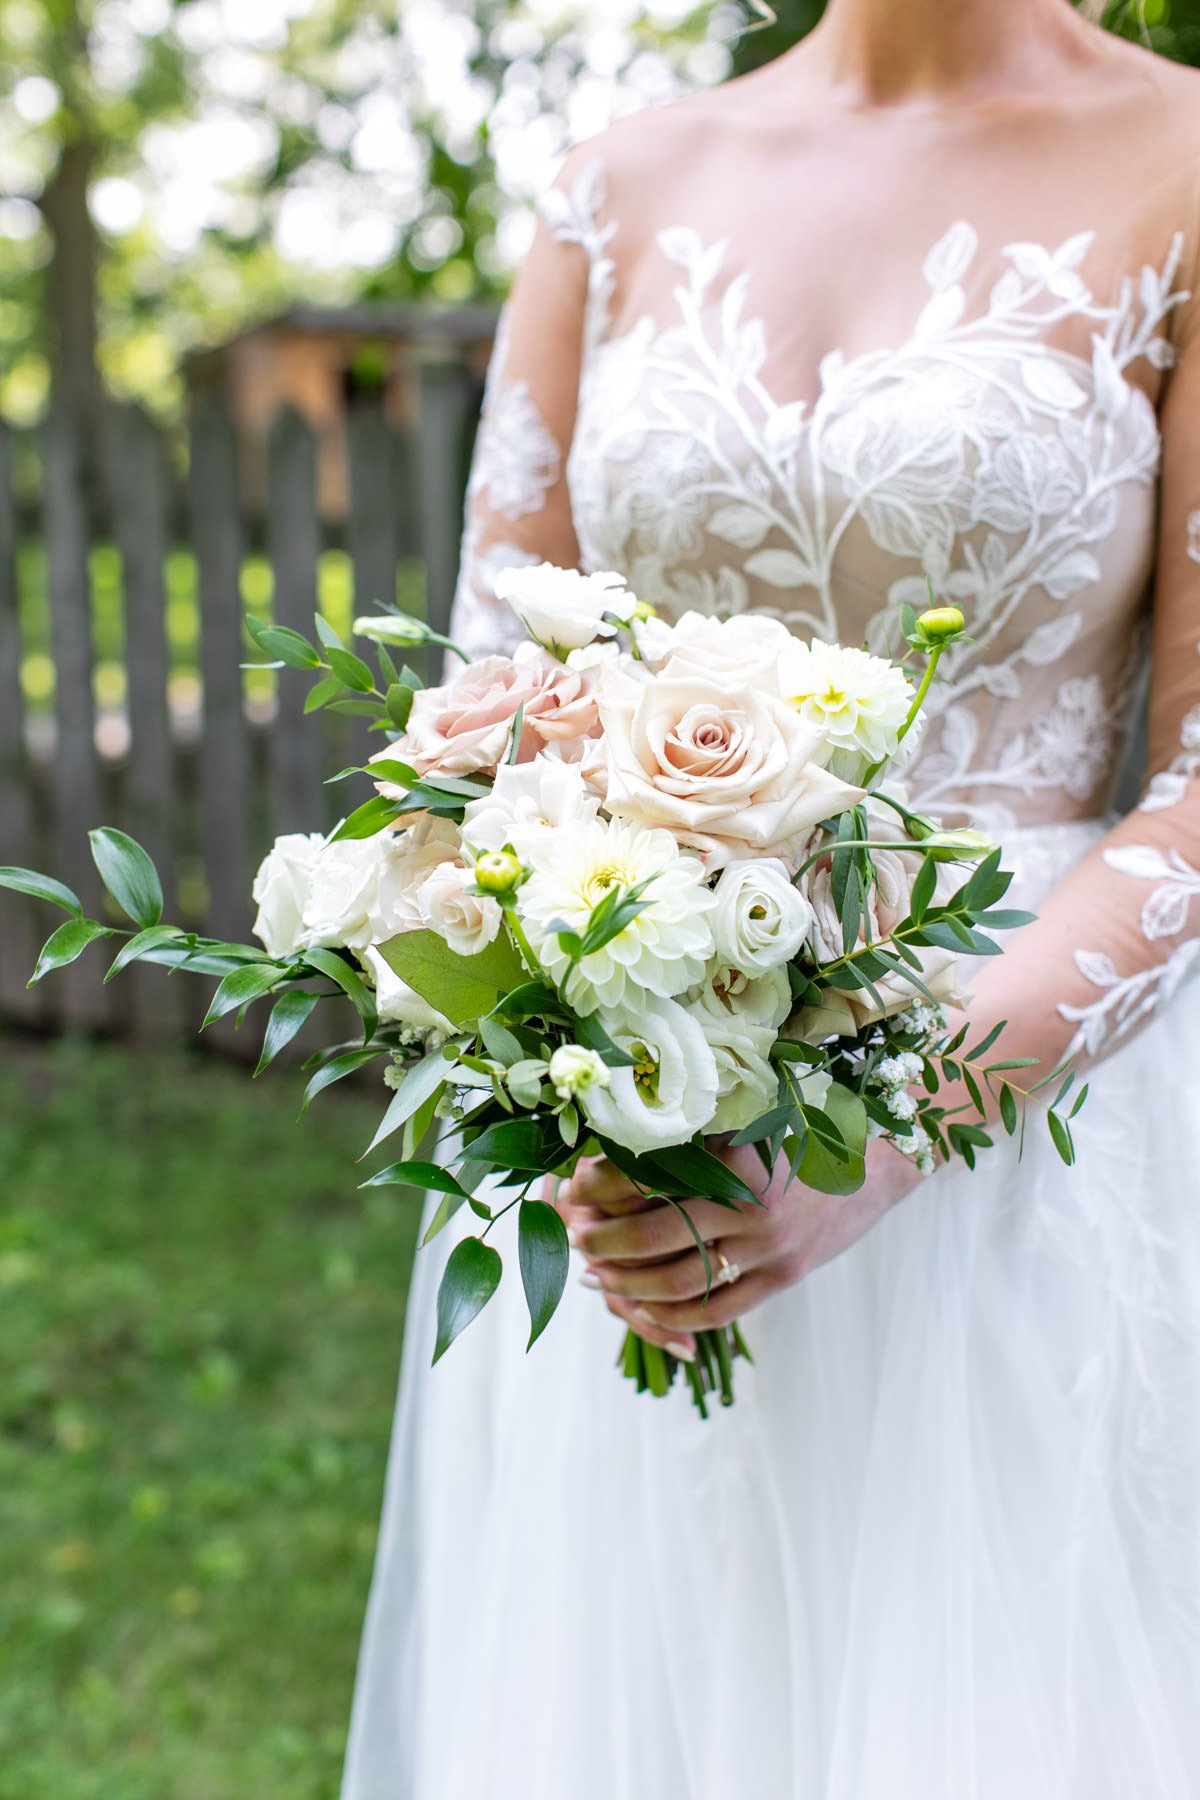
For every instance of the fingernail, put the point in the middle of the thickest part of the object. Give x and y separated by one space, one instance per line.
684 1352
572 1237
645 1315
587 1279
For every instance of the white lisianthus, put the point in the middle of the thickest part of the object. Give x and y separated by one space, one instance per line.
670 1092
528 800
467 922
364 889
761 917
281 890
857 700
747 1084
575 1070
396 1002
562 609
663 950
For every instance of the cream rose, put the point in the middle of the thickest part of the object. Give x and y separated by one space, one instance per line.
467 922
746 648
364 889
723 765
281 890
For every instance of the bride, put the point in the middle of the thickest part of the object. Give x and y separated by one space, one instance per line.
914 302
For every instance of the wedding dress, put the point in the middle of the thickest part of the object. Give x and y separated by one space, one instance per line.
946 1545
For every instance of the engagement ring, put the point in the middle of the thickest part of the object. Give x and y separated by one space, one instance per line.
728 1272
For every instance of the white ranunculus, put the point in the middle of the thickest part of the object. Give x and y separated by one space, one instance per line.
761 917
858 701
664 949
281 890
670 1092
575 1070
526 801
562 609
720 761
397 1003
467 922
364 889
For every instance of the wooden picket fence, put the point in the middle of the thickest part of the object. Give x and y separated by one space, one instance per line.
122 635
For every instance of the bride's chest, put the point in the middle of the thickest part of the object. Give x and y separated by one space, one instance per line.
1001 441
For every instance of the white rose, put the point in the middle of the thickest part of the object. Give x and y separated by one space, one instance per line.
281 890
562 609
746 648
467 922
671 1091
526 801
364 889
761 917
575 1070
397 1003
723 764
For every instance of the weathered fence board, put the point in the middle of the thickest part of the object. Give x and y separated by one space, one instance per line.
151 724
16 799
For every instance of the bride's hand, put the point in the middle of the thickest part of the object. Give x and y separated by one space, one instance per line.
644 1259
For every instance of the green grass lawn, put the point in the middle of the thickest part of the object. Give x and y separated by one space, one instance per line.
200 1324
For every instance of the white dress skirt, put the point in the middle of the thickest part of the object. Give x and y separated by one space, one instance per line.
945 1546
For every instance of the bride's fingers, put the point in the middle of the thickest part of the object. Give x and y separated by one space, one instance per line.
597 1182
679 1343
725 1304
658 1231
681 1278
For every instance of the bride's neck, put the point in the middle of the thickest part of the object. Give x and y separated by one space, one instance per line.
889 52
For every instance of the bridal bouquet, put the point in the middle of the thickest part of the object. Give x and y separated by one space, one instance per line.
635 888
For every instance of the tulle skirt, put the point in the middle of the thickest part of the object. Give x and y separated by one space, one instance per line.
945 1546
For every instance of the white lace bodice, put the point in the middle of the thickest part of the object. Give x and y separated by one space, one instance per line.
1013 422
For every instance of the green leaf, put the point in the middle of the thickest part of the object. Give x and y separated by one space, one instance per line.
328 634
399 704
1080 1097
240 986
128 874
450 1204
922 889
1008 1109
501 1043
289 646
471 1278
533 999
65 944
591 1034
336 1069
321 693
142 941
288 1015
427 1176
531 1145
701 1173
42 887
368 819
352 670
384 768
819 1167
419 1083
462 988
1060 1132
351 983
545 1254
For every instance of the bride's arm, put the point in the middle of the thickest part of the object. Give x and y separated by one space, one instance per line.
518 506
1112 945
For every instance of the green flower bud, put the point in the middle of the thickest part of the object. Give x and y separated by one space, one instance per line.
941 623
498 871
643 611
391 628
957 846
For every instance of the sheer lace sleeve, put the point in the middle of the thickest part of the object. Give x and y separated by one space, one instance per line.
518 503
1118 938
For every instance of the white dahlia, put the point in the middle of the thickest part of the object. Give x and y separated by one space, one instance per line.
669 1093
859 701
663 950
